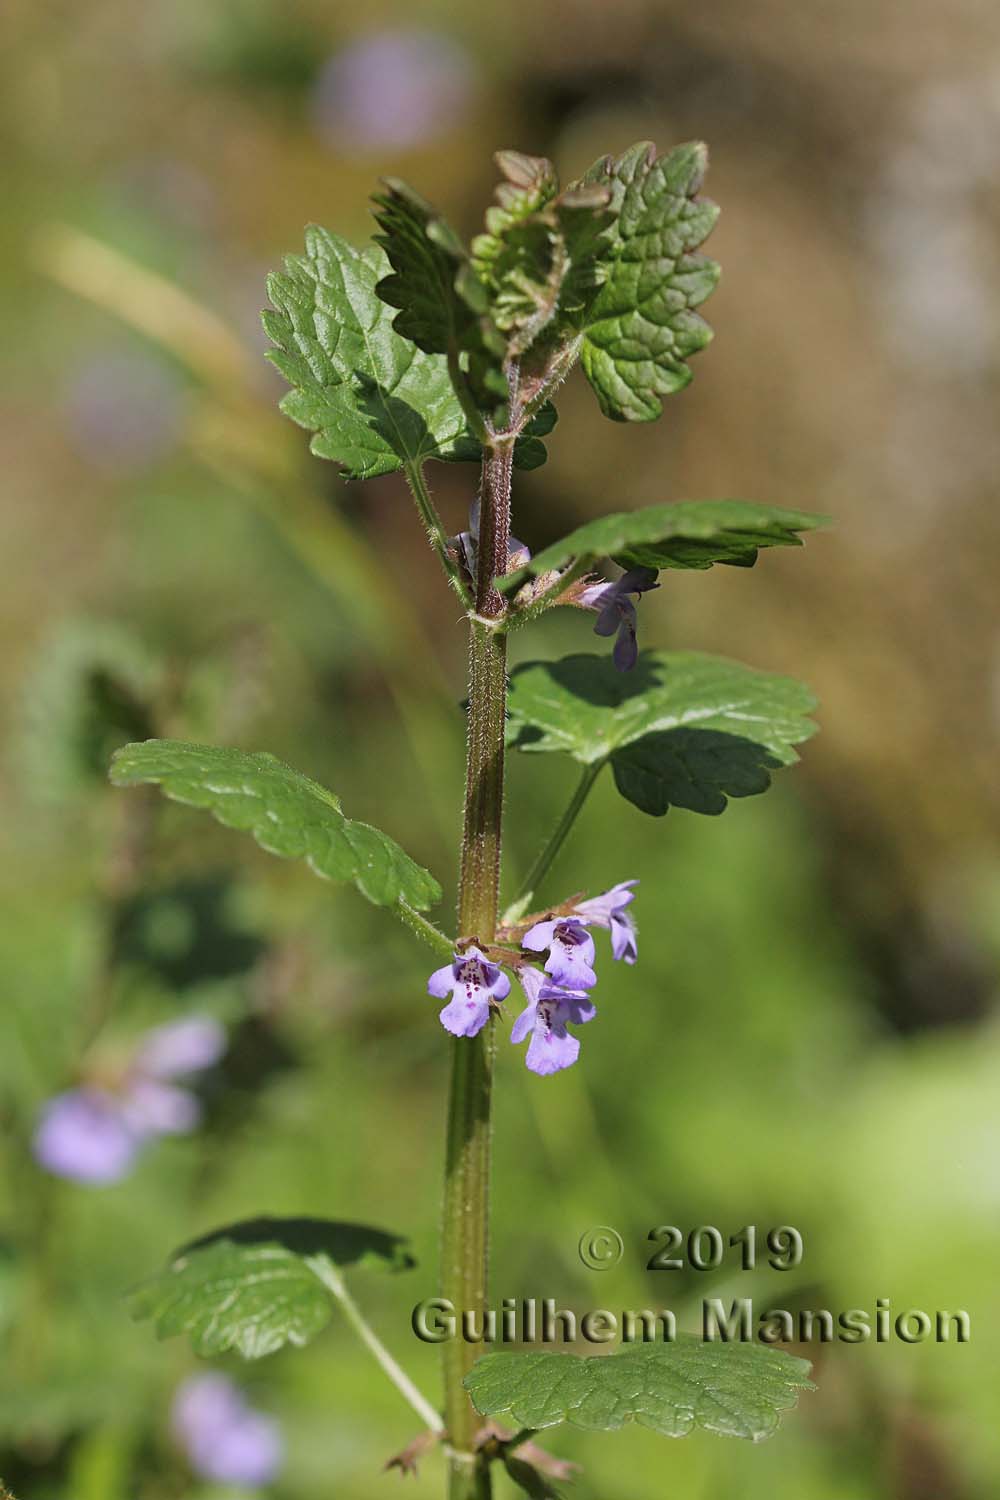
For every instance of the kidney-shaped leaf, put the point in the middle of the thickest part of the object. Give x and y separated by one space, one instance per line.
739 1390
682 730
258 1285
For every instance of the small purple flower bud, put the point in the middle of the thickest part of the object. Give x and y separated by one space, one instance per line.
609 911
571 950
466 544
474 983
225 1439
616 612
550 1008
84 1136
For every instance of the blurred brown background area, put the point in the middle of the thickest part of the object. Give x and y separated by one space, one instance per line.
160 159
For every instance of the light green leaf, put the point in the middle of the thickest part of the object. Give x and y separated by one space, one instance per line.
686 534
739 1390
287 814
373 399
258 1285
682 730
641 327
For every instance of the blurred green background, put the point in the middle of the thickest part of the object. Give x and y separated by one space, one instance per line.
811 1036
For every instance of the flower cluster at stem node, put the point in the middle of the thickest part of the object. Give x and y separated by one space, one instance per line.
557 994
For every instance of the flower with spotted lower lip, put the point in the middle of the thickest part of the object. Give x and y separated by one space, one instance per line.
475 985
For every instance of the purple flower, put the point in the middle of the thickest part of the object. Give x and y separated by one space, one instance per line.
616 612
393 88
84 1135
571 950
546 1015
466 543
94 1134
225 1439
609 911
474 984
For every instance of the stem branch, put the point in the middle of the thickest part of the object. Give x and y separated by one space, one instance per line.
335 1285
543 862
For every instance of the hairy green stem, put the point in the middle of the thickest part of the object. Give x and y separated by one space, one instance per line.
546 855
465 1229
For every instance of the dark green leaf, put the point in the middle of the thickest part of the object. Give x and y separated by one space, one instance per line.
286 812
681 730
258 1285
641 327
739 1390
425 254
686 534
373 400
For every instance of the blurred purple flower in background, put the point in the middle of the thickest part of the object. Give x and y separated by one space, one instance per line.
224 1438
124 410
94 1134
393 88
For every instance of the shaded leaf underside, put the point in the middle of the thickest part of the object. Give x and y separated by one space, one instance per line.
256 1286
683 730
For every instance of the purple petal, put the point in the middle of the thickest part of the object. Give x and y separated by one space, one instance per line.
466 1017
571 956
153 1108
443 980
84 1136
626 652
623 937
576 1008
609 619
500 987
225 1439
539 937
532 982
601 909
523 1024
186 1046
551 1050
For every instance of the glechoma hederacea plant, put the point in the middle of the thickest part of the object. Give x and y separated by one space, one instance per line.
420 348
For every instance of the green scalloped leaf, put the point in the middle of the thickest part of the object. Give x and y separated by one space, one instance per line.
739 1390
373 400
641 327
258 1285
683 729
287 813
681 534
